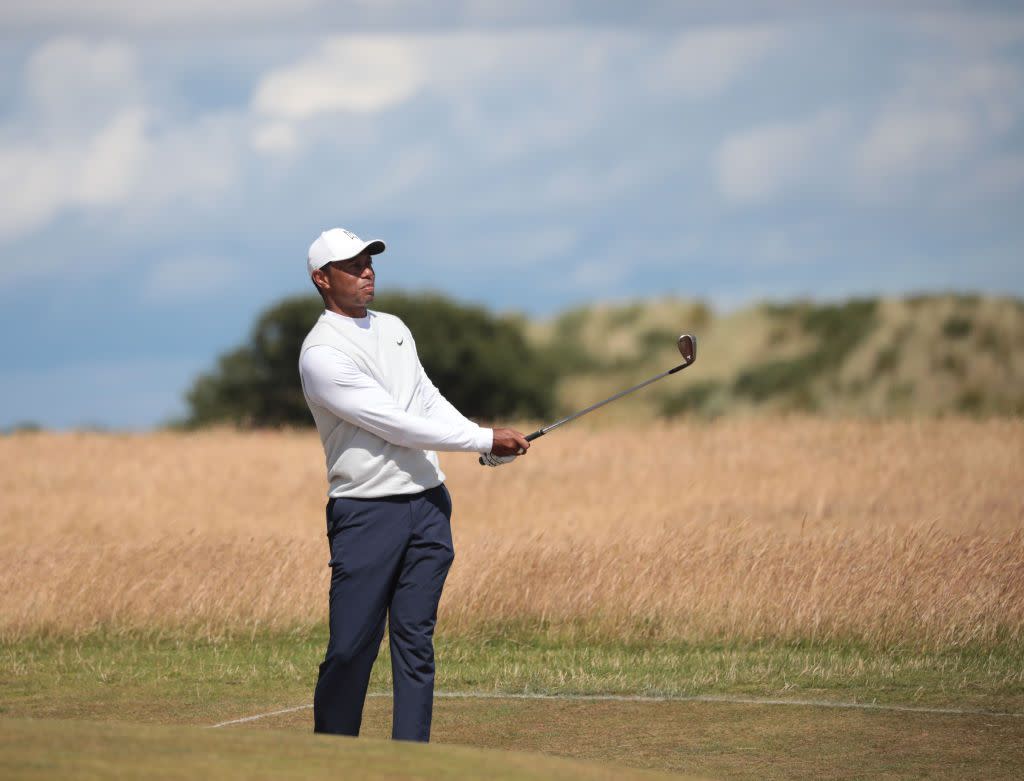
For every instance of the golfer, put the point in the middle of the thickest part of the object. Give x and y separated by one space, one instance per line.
388 511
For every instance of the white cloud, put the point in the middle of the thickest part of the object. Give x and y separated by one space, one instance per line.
81 139
704 62
86 138
91 135
74 81
196 162
275 138
43 177
290 16
360 74
530 107
113 161
944 119
158 15
763 162
908 141
366 73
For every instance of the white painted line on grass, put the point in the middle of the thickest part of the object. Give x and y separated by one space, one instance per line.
712 698
261 716
726 699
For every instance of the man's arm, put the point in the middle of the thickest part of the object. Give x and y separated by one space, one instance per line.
506 441
334 381
437 406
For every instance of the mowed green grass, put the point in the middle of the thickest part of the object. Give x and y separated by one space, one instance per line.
726 740
37 750
136 680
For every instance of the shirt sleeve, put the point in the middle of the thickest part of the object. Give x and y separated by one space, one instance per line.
440 409
333 380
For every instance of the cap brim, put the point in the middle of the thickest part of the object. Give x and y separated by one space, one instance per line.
374 247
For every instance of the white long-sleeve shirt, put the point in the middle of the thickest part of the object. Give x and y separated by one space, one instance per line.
379 416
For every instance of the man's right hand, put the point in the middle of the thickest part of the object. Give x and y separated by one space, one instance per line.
509 442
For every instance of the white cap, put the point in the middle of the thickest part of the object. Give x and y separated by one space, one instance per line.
339 244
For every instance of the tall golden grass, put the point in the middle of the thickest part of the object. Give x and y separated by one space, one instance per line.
895 533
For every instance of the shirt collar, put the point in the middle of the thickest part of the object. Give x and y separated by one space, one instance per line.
357 322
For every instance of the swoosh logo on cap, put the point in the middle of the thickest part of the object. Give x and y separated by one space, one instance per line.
401 340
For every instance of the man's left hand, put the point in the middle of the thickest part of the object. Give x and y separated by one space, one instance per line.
489 459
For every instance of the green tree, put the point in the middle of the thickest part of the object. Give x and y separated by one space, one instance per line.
481 363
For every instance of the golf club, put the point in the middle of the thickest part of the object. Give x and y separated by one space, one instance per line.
687 344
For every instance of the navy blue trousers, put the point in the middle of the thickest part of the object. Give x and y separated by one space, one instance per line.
389 560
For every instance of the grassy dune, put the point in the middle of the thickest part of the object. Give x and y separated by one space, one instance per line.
921 356
884 535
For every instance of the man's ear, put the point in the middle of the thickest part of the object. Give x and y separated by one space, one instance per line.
320 279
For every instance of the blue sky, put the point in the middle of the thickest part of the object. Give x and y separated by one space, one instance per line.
166 165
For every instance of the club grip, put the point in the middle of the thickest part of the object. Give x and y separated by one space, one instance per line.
529 438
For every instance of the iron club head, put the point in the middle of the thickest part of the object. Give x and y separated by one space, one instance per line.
688 348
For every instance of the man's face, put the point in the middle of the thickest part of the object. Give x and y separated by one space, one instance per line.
350 281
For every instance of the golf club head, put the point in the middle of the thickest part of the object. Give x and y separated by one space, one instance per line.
688 348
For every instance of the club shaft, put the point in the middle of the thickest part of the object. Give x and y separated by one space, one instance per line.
551 427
